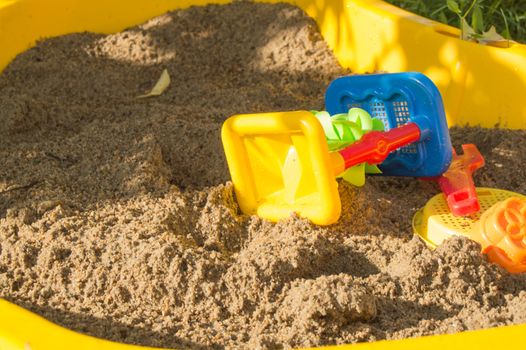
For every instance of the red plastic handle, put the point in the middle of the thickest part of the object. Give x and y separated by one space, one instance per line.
375 146
457 182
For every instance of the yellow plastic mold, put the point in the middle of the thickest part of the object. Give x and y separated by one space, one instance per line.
499 226
435 223
480 85
280 163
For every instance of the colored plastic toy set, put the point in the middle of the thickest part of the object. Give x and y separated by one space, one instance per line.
287 162
457 182
399 99
280 162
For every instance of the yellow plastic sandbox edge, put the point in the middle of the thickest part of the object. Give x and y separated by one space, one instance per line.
23 330
481 85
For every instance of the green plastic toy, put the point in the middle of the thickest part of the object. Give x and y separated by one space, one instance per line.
344 129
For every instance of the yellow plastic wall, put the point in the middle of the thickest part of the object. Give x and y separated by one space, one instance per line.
23 330
480 85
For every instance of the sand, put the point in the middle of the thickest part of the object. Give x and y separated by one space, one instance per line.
118 220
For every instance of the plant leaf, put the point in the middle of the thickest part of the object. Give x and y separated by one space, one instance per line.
506 33
442 17
477 19
453 6
161 85
491 36
467 32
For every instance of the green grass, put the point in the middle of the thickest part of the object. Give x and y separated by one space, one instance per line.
503 14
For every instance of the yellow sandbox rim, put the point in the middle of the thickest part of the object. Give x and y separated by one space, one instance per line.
481 85
23 330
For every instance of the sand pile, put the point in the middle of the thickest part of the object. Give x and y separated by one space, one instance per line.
117 218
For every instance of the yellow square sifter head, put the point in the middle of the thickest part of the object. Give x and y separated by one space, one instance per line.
280 164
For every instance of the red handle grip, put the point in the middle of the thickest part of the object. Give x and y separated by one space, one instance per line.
375 146
457 182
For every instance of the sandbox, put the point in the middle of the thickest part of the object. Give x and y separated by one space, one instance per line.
118 220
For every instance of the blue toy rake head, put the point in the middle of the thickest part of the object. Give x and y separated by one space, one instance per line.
397 99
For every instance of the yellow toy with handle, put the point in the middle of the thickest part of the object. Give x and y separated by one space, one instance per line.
280 163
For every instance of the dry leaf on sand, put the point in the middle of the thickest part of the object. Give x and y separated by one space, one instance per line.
161 85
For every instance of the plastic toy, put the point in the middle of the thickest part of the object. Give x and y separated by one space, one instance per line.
344 129
280 163
500 226
501 231
457 182
397 99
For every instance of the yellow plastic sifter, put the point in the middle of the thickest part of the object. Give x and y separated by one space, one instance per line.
499 226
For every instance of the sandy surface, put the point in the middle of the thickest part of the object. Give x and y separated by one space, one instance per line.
117 218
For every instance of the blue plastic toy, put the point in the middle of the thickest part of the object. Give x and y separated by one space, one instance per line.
397 99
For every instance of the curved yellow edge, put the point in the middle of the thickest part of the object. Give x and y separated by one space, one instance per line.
24 330
481 85
495 338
